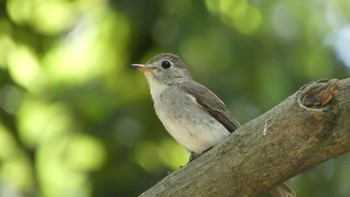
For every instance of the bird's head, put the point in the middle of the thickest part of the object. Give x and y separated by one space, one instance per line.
164 69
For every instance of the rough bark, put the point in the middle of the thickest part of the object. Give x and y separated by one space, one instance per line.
306 129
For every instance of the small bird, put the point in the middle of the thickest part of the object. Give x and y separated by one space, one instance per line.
193 115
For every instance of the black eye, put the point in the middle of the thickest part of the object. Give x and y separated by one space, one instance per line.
166 64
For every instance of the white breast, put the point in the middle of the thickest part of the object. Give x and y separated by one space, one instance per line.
187 123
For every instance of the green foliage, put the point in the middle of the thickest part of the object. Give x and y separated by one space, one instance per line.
75 120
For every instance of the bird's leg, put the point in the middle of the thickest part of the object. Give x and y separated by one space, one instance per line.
196 155
193 156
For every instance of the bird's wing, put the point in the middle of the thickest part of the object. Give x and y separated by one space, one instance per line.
210 103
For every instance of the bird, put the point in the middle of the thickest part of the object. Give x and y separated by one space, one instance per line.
192 114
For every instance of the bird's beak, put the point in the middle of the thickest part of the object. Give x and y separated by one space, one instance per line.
143 67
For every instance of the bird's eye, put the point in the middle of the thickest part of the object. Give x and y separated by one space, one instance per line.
166 64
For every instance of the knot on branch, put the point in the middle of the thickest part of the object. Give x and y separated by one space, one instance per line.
319 94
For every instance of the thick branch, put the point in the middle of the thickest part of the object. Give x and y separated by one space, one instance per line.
306 129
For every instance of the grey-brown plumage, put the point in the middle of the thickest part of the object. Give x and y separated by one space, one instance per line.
210 103
193 115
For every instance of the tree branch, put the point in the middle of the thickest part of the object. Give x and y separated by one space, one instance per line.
306 129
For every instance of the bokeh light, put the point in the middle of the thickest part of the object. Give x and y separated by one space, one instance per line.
76 120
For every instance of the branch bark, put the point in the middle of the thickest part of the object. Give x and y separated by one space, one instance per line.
306 129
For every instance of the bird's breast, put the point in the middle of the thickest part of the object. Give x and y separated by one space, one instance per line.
187 123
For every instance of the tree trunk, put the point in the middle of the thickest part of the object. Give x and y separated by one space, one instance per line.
306 129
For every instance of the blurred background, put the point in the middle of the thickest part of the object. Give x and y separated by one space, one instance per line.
76 120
